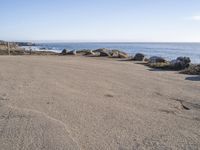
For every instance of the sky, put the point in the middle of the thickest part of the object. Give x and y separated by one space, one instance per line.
100 20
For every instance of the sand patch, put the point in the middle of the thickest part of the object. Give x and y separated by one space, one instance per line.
22 129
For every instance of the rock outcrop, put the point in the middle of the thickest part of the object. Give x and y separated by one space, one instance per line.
158 62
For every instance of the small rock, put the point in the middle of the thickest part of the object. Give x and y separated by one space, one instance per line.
139 57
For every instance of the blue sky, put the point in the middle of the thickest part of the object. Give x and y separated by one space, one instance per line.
101 20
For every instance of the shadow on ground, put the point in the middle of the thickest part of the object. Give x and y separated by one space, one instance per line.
193 78
157 69
125 60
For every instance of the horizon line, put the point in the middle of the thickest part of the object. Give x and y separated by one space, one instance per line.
67 41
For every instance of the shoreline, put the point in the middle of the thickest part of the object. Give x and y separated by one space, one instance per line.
182 64
168 52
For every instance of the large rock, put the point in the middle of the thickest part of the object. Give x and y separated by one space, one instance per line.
103 52
118 54
123 55
156 59
72 52
139 57
180 63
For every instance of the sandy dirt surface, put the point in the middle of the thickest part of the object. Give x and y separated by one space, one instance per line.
66 102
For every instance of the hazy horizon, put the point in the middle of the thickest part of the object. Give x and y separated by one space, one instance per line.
101 21
65 41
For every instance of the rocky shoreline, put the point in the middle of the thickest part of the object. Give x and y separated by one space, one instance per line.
182 64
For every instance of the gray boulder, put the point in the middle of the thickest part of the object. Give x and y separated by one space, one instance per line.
103 52
156 59
118 54
180 63
139 57
122 55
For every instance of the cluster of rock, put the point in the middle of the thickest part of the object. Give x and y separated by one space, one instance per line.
14 48
180 63
17 43
10 48
158 62
97 53
25 43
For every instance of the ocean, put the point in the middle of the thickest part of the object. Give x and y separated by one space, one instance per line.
167 50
